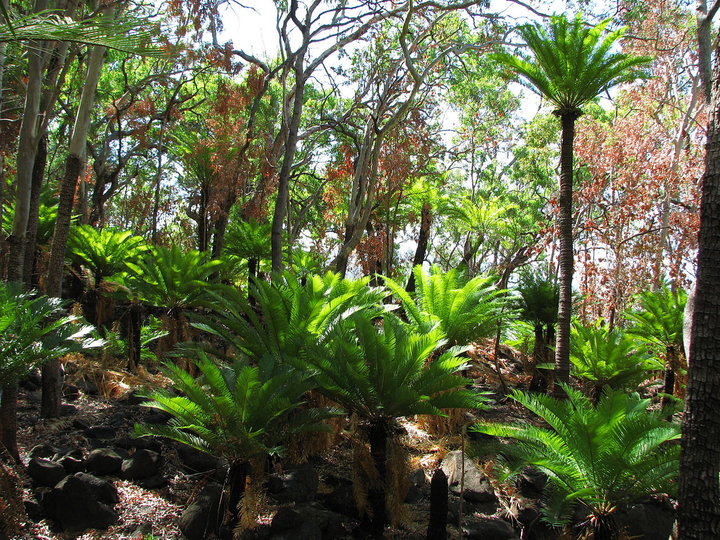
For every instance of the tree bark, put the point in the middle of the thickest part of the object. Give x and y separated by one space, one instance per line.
51 375
565 263
698 486
422 245
29 273
8 419
378 435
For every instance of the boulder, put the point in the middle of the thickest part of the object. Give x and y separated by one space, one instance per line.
297 484
46 472
196 461
199 520
489 529
103 433
103 461
647 521
74 505
72 464
342 501
476 487
105 491
141 464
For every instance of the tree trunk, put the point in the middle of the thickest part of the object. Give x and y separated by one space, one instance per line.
378 435
29 274
437 527
51 377
565 263
8 419
422 245
698 486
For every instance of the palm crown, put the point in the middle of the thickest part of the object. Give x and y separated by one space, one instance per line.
572 63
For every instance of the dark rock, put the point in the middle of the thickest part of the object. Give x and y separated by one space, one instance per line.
195 460
531 482
71 464
147 442
155 416
79 423
103 461
476 488
88 387
33 510
70 392
45 472
297 484
74 506
330 523
342 501
141 464
285 519
307 531
155 481
414 495
489 529
118 419
43 451
199 520
105 433
647 521
68 410
105 491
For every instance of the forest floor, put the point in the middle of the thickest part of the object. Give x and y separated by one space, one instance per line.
142 512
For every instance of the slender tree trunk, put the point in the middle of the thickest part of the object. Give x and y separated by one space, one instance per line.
378 435
422 245
283 189
698 486
29 274
565 233
51 375
437 526
8 419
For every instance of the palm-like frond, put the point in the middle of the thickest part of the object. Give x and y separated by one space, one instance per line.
171 277
539 299
382 371
603 356
105 252
658 320
465 309
239 411
128 35
613 453
291 313
31 332
571 62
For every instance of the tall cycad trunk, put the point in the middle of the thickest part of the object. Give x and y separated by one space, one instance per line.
378 438
698 486
51 376
565 234
422 245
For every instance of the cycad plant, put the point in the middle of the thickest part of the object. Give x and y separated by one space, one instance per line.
242 411
597 457
658 323
465 309
33 330
173 281
539 306
248 240
570 64
379 371
288 312
96 256
602 356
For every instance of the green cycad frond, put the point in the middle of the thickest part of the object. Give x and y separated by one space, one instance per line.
465 309
127 35
572 63
105 252
603 356
239 411
247 239
613 453
292 313
385 373
32 331
170 277
658 320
